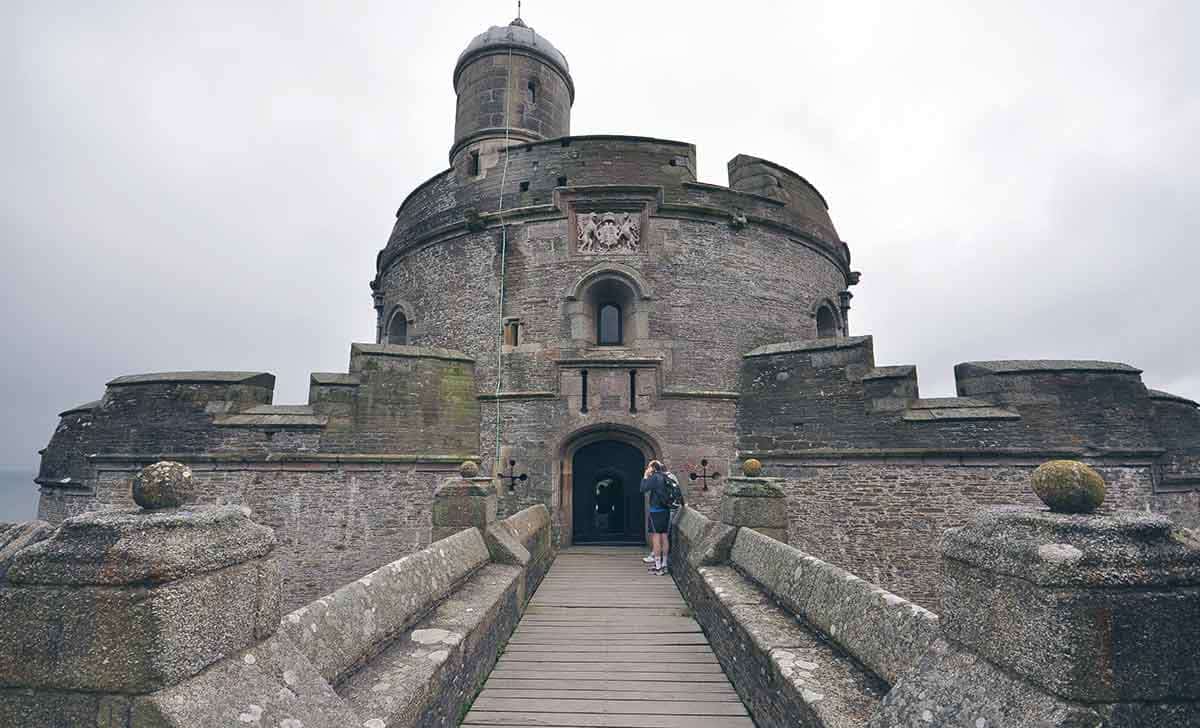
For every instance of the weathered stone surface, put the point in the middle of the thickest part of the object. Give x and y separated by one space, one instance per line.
28 708
133 547
429 676
132 639
785 673
269 684
341 630
699 541
469 469
757 503
16 536
463 503
949 686
885 632
164 484
1068 486
1090 608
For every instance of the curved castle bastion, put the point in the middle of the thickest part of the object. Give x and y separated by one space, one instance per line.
568 307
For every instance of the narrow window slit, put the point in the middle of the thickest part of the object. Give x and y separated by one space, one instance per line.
633 390
583 385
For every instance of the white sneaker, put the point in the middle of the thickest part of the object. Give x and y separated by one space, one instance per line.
648 559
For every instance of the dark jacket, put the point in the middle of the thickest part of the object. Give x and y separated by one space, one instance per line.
656 486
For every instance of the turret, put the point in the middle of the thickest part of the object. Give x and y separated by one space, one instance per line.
508 77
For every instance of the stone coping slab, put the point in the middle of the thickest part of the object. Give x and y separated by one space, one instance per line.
885 632
122 547
788 347
1026 366
342 630
808 676
259 379
409 352
85 407
1055 549
433 669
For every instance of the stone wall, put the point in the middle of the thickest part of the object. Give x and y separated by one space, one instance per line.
884 518
335 520
171 617
875 474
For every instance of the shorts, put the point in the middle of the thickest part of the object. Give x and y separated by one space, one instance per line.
660 521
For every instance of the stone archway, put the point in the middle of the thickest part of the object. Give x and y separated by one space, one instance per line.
603 451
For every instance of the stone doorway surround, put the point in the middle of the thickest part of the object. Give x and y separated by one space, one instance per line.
572 444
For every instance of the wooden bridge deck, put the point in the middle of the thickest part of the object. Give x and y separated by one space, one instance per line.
605 644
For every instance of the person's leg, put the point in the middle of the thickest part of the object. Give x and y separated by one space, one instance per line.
666 547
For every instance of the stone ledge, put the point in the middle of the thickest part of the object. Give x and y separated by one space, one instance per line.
1032 366
903 371
887 633
504 396
409 352
953 414
343 630
257 379
334 379
86 407
1160 396
785 673
698 394
925 453
790 347
430 673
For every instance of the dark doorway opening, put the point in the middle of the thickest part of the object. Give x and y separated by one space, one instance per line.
606 504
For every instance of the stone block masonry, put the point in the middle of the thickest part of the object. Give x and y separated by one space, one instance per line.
170 617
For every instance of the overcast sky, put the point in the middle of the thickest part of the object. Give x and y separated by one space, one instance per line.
206 185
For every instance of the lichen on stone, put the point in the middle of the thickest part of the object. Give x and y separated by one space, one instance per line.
1068 486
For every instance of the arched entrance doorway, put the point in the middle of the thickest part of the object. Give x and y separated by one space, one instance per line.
606 506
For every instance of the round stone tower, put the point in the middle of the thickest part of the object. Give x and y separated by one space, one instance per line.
509 74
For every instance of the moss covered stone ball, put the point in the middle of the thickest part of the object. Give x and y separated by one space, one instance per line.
469 469
751 468
1068 486
164 484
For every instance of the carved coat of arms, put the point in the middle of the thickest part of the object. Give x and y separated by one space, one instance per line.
608 233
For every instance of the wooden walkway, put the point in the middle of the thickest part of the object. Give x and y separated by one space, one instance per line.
605 644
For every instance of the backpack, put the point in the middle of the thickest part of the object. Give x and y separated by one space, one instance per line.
674 492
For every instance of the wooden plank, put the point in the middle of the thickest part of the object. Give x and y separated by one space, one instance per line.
604 643
614 683
598 720
601 665
615 657
604 675
656 694
606 647
612 707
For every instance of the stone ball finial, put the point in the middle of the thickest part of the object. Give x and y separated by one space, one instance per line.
469 469
1068 486
752 468
164 484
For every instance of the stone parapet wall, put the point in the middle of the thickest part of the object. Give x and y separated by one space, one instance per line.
171 618
883 517
336 518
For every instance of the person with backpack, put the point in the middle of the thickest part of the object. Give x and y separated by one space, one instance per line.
665 495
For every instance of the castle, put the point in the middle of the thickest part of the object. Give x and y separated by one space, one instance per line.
566 308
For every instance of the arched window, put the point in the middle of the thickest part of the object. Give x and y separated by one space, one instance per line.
826 323
608 325
397 332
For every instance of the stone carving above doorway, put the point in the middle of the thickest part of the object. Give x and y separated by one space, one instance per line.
608 232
